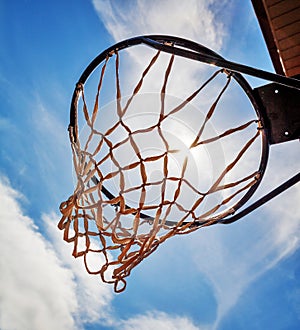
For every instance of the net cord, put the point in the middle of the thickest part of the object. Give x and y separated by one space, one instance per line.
82 207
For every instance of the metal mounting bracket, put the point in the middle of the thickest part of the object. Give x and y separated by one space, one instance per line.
282 107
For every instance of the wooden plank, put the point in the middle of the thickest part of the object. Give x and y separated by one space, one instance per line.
287 31
269 3
290 52
280 24
293 72
261 15
289 42
292 62
292 17
282 7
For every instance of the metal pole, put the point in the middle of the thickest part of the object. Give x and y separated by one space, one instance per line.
220 62
289 183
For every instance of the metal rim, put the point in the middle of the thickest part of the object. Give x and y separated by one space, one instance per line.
197 52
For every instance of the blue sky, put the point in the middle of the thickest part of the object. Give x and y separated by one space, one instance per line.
241 276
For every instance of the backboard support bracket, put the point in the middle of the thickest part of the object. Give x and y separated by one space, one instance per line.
282 108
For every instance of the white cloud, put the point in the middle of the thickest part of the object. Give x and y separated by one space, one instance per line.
190 19
36 290
158 320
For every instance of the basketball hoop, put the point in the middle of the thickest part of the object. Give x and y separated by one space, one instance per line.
152 162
